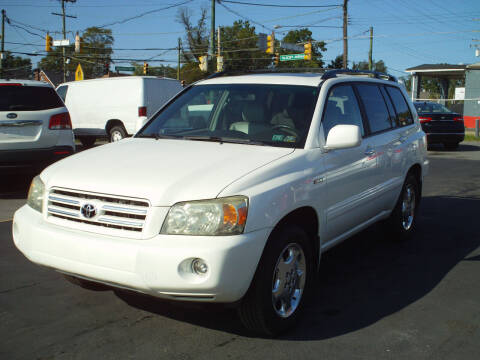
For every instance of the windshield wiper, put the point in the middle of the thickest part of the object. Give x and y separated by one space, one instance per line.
223 140
160 136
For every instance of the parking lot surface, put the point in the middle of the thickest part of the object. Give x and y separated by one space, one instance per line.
375 299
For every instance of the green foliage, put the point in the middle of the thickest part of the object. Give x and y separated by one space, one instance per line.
241 36
16 67
162 70
302 36
337 63
376 66
96 51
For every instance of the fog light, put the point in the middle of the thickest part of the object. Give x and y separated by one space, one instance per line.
199 267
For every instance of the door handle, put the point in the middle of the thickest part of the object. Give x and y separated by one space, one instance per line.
370 152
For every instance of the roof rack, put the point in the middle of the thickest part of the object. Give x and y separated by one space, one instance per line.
329 74
265 71
326 73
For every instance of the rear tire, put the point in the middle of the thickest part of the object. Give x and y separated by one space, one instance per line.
117 133
85 284
87 141
451 146
402 221
282 282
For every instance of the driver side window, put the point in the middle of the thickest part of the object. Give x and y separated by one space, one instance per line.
342 108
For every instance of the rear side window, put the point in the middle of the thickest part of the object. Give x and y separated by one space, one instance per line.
342 108
28 98
62 92
375 108
404 116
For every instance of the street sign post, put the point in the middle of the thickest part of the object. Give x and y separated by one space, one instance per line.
124 68
291 57
64 42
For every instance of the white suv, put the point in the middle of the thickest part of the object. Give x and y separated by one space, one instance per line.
35 127
233 190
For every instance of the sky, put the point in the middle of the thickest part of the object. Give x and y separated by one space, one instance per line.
407 33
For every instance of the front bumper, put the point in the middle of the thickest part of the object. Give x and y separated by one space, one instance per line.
31 160
157 266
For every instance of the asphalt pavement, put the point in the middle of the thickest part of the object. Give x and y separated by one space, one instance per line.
375 299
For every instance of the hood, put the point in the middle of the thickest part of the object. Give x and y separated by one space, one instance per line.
162 171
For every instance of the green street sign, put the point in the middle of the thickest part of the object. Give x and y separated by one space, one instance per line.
290 57
124 68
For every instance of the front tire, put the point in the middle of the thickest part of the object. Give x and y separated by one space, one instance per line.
117 133
402 222
284 276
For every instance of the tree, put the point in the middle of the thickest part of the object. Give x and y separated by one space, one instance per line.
337 63
16 67
196 35
96 52
303 36
376 65
239 42
162 70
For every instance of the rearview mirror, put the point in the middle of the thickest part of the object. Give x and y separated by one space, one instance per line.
343 137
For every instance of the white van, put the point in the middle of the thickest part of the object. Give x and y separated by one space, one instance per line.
114 107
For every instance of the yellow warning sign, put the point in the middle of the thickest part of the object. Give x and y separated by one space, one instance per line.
79 73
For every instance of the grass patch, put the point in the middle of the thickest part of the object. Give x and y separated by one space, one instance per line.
471 137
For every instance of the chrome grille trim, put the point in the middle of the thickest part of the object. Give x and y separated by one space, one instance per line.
116 212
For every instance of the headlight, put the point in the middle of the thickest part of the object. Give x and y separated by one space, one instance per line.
224 216
35 194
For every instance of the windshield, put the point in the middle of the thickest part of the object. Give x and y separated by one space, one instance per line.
274 115
425 107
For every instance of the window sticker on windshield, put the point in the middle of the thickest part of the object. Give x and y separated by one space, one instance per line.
278 137
290 139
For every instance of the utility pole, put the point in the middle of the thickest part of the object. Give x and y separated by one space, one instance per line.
212 32
64 32
345 36
64 37
370 64
218 41
3 43
178 61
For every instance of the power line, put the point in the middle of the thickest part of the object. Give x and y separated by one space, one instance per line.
144 13
279 6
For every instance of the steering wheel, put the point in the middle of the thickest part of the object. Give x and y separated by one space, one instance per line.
286 129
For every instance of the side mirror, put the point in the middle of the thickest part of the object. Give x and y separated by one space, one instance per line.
343 137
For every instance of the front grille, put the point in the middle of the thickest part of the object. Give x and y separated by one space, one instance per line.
110 211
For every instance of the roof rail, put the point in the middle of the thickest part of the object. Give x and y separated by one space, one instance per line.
378 75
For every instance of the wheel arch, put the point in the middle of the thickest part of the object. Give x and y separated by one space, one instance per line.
416 171
307 218
113 122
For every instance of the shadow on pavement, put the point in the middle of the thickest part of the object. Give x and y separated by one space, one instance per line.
461 147
15 186
361 280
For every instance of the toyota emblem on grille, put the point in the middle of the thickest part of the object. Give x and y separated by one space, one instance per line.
89 211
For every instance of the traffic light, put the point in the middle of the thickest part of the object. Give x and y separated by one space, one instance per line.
308 51
276 59
203 63
106 69
145 68
48 43
270 44
78 44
